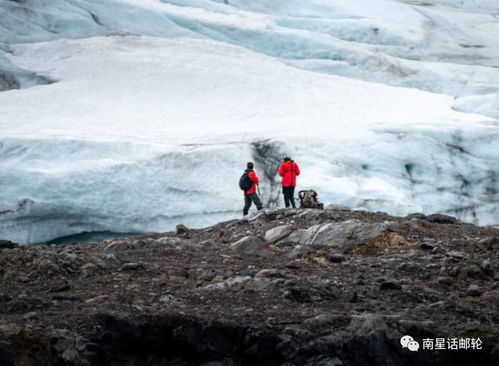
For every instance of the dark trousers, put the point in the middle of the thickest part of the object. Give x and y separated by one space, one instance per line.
248 199
289 193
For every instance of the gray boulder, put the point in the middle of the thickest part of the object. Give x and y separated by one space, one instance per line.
278 233
234 283
269 273
249 244
337 234
313 214
117 246
165 242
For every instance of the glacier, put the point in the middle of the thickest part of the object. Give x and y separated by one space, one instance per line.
134 116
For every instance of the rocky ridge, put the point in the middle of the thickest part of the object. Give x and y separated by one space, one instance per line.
282 287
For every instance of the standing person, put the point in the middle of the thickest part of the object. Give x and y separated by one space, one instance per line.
288 170
250 194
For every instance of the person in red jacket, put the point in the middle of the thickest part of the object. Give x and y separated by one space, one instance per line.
250 195
288 170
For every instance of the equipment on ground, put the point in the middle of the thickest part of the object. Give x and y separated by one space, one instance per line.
308 199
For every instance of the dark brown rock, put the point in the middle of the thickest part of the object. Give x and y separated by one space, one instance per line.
200 298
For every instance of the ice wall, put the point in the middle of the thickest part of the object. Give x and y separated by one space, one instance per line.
58 188
53 188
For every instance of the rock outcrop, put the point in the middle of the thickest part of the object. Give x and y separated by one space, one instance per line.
297 287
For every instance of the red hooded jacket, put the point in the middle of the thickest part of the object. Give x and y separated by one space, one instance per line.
252 176
288 170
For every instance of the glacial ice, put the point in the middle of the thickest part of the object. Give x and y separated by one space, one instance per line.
131 115
124 187
445 47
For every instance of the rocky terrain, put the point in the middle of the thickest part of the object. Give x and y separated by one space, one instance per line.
296 287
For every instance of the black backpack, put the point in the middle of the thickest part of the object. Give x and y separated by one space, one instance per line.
245 182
